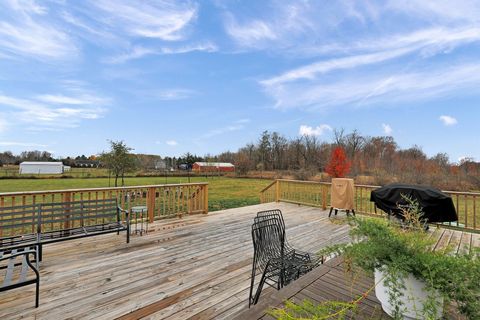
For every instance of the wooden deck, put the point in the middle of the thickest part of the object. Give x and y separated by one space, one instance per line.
325 283
196 267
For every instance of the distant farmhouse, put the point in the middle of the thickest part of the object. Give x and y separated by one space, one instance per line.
38 167
213 167
86 163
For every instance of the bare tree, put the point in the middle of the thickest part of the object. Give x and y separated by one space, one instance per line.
354 142
339 137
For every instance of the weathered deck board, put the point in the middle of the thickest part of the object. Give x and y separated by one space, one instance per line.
196 267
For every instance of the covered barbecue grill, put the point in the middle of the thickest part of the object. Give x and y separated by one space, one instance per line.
436 206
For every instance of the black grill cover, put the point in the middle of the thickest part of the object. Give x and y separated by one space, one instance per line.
436 206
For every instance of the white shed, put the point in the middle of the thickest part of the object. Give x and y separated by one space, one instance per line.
37 167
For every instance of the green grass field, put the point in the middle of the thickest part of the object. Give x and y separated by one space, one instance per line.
223 193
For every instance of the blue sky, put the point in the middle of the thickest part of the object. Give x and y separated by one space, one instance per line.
210 76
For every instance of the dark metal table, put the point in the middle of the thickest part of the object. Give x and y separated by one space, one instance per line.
139 214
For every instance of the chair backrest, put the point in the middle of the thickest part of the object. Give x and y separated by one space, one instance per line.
271 214
268 241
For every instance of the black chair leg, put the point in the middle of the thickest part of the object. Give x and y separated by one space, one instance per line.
331 209
252 282
250 296
353 211
259 289
37 294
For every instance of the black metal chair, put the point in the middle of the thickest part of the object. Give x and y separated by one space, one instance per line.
276 266
300 256
268 257
11 279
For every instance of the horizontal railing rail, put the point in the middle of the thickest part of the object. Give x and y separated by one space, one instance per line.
162 201
313 193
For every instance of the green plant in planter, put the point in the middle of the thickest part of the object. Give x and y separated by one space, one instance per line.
401 249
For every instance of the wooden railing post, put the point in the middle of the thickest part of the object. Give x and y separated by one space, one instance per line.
205 199
188 201
151 203
67 197
277 190
324 197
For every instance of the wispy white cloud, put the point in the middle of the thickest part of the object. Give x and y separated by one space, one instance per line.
163 20
235 126
346 76
138 52
54 111
173 94
425 43
371 88
26 36
387 129
44 31
205 47
172 143
83 99
251 33
462 11
164 94
30 6
311 131
310 71
280 27
448 120
90 30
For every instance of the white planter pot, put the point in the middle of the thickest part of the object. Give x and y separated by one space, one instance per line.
413 299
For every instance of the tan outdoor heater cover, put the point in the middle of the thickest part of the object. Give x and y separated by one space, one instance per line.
342 193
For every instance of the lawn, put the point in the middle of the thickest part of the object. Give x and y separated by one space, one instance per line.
223 193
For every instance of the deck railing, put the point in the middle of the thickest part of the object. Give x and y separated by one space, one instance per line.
318 194
162 201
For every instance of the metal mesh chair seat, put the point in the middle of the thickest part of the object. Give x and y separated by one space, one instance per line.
284 268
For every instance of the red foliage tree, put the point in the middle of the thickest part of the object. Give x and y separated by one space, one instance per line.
339 165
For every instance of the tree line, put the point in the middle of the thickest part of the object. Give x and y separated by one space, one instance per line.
374 160
8 157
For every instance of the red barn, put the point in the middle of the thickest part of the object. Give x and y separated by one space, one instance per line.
213 167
